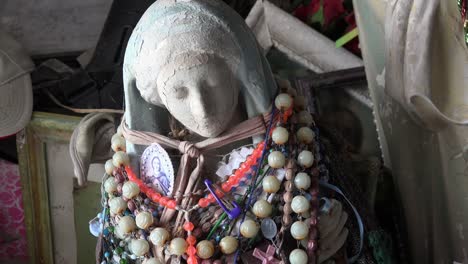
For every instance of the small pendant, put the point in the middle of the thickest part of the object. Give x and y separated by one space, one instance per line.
269 229
95 226
156 169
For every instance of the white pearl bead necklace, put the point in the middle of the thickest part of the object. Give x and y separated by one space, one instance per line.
130 189
305 135
306 159
205 249
139 247
159 236
110 186
262 208
298 256
280 135
109 167
271 184
178 246
283 101
228 245
302 181
144 220
117 205
299 230
126 224
249 228
276 159
300 204
120 158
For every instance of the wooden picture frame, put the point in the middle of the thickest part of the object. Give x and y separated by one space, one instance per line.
57 230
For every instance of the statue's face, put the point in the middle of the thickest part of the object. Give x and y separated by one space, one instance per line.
202 97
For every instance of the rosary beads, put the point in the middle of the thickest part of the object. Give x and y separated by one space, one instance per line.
277 178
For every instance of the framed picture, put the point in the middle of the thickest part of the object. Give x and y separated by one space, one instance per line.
56 212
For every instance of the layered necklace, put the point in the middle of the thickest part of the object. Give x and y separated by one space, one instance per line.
269 198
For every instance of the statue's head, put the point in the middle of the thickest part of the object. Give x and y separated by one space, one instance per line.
197 59
191 70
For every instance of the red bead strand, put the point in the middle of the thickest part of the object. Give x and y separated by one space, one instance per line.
235 178
150 193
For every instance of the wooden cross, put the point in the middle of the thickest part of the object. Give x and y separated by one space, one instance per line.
267 257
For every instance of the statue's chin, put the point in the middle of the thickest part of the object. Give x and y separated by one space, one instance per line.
209 132
206 128
211 126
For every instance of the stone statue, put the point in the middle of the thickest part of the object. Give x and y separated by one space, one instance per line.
197 61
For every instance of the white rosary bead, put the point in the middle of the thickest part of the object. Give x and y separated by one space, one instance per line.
300 204
117 205
130 189
283 101
262 208
228 245
299 230
127 224
305 118
144 220
120 158
298 256
302 181
271 184
139 247
116 136
205 249
306 158
159 236
110 186
119 131
109 167
118 233
280 135
152 261
118 143
249 228
276 159
178 246
305 135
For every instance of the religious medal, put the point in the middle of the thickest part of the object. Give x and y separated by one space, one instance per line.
157 170
269 229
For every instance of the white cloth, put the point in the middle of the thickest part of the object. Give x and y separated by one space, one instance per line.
410 28
421 114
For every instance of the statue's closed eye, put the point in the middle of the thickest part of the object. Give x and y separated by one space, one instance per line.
181 93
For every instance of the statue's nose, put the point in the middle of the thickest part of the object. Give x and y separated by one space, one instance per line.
200 104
